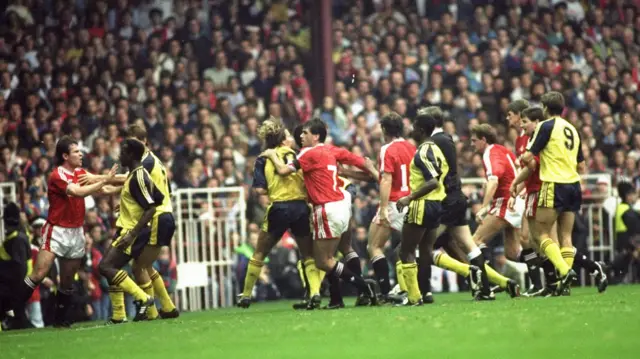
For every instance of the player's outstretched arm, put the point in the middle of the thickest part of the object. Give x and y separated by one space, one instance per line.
76 190
281 167
89 178
109 189
356 175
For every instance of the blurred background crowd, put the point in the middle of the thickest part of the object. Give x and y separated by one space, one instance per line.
202 76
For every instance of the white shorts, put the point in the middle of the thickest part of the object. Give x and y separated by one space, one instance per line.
63 242
396 219
331 220
500 208
531 204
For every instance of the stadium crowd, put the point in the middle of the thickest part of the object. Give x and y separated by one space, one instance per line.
202 79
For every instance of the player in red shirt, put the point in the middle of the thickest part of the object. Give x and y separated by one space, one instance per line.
63 234
331 210
530 117
494 216
394 162
528 254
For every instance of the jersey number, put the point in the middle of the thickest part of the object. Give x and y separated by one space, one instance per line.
334 176
403 173
570 142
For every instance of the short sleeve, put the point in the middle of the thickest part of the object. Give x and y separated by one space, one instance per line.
541 137
426 161
492 168
148 162
59 182
386 161
143 190
259 177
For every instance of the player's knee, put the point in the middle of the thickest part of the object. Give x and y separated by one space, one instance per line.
105 269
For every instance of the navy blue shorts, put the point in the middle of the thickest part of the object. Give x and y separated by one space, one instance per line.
162 229
563 197
454 210
282 216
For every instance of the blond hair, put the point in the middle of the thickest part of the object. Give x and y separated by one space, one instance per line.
272 132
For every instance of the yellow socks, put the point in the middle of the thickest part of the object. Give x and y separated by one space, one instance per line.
313 276
495 277
400 276
301 274
568 254
127 284
253 272
552 251
117 302
445 261
410 274
321 275
152 311
160 292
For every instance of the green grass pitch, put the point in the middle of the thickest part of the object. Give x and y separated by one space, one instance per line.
584 325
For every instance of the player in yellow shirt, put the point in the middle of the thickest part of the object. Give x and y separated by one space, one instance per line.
558 144
139 200
161 233
288 210
428 169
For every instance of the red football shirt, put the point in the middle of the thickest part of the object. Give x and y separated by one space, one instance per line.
319 165
64 210
533 183
395 158
499 163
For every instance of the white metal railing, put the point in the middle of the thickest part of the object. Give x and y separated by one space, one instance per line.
8 193
210 224
600 221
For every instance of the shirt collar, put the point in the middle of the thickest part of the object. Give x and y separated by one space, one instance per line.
437 130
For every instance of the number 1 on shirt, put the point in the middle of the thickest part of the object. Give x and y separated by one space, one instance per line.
334 176
403 173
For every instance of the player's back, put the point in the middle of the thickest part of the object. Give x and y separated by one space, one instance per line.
429 163
64 210
395 158
558 143
284 188
448 147
320 173
499 164
158 174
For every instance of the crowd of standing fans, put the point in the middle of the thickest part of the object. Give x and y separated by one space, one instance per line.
203 75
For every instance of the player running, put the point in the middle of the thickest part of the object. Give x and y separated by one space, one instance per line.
494 216
558 145
139 200
161 233
63 233
288 210
331 208
394 164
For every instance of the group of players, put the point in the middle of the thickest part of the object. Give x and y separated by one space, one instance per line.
145 224
421 197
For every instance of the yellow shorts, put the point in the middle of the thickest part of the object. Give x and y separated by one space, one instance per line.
424 213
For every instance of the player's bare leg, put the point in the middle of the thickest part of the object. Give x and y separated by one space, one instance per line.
43 264
323 252
110 268
490 226
545 218
378 237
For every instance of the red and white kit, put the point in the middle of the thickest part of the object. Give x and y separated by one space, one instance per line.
395 159
63 233
331 206
533 182
499 164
